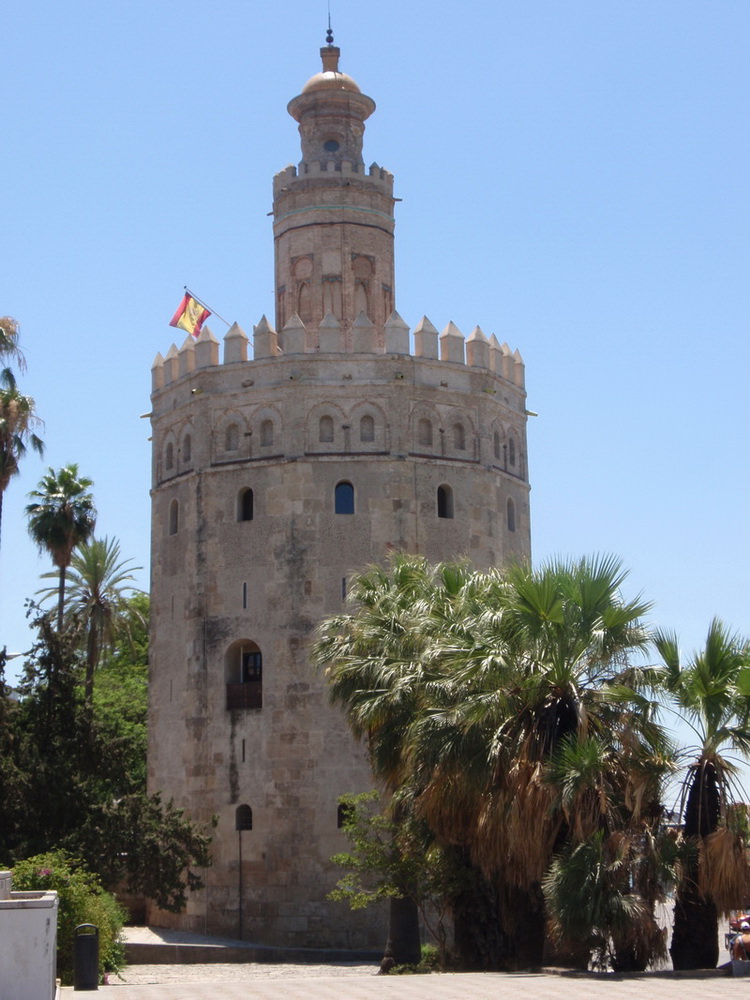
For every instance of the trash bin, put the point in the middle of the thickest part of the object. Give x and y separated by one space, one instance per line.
86 957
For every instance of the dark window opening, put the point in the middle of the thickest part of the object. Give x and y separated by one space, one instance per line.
444 501
245 507
344 498
243 818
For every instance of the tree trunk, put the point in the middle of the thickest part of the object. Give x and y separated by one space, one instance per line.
524 920
695 937
403 946
479 941
695 943
61 600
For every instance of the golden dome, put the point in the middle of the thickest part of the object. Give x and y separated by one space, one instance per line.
331 80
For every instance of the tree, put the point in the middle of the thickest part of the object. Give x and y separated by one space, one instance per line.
539 736
98 598
17 422
61 517
9 346
712 693
75 779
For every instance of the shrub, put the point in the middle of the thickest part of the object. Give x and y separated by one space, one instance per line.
82 901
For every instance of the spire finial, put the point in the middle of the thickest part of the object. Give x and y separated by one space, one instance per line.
329 33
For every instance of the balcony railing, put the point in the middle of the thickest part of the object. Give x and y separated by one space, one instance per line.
248 695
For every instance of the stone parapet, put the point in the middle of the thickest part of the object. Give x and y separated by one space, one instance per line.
477 354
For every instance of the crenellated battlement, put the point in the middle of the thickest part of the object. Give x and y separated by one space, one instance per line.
477 353
377 176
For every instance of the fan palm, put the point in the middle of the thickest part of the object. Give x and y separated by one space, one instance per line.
98 597
9 337
541 664
61 516
17 434
711 692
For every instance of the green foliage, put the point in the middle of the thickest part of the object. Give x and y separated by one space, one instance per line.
392 859
74 777
150 845
82 900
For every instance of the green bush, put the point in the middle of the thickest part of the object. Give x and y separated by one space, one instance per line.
82 901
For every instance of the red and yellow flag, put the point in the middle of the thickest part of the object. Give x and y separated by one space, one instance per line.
190 315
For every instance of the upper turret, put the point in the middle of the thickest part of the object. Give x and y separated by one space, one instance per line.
331 111
333 220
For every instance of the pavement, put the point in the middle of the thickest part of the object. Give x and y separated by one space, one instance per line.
269 980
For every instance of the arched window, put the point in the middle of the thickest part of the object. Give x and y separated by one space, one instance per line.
243 818
344 498
367 429
459 437
245 505
169 456
444 501
244 674
424 432
496 444
511 509
187 448
325 429
266 433
511 451
232 438
174 517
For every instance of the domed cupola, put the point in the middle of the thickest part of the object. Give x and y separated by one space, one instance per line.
331 111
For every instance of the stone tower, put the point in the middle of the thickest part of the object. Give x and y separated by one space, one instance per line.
273 480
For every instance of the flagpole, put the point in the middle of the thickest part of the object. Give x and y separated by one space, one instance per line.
201 302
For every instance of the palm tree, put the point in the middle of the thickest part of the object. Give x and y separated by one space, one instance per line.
61 517
9 337
711 692
540 667
98 597
17 423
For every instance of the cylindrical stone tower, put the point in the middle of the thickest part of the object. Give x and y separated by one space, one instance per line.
274 479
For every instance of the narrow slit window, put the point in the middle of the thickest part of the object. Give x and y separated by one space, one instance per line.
444 501
246 505
174 517
511 513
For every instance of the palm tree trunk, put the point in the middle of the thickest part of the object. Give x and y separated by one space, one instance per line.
479 941
92 657
61 599
695 938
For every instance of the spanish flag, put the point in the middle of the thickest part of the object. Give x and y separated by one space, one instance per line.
190 315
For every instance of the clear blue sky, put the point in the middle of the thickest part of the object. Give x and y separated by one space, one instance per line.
574 176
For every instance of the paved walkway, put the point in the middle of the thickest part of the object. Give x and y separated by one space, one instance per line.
200 977
284 982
